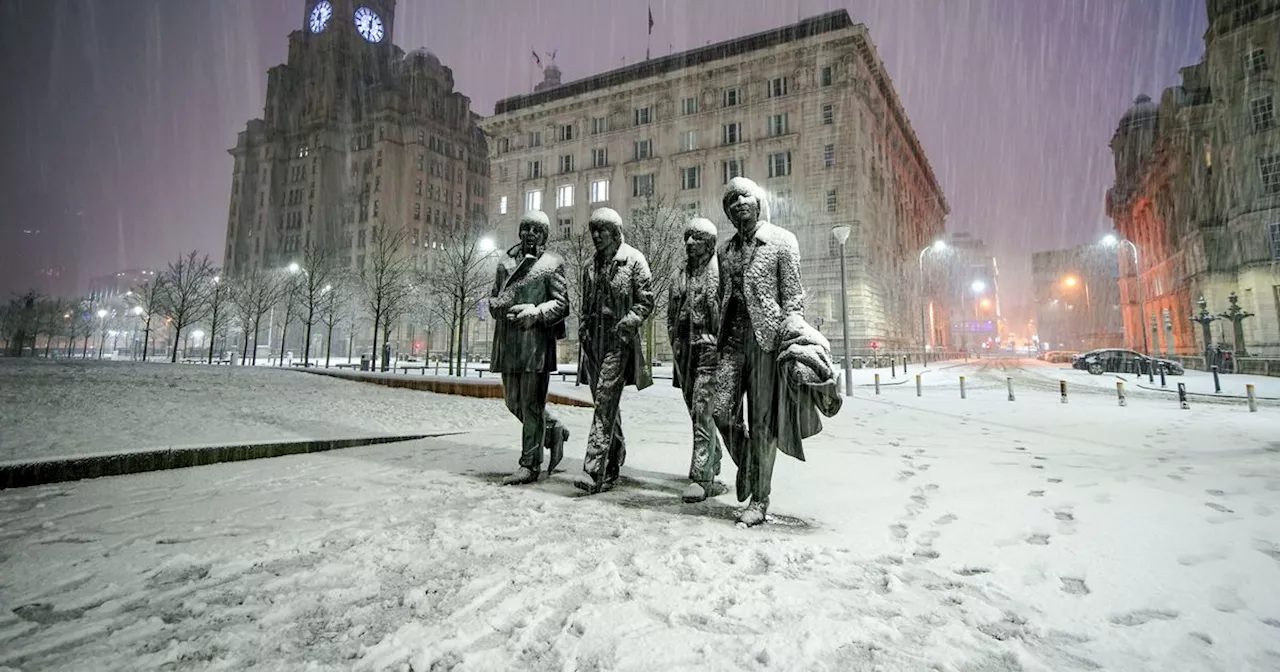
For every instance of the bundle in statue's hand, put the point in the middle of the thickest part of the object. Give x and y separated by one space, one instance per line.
525 315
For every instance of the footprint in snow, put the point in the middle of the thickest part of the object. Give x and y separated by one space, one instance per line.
1036 493
1055 480
946 519
1218 507
1143 616
1072 586
1215 493
1038 539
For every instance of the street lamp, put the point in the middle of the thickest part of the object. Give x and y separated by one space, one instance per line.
1072 281
294 267
842 235
487 245
938 245
1111 240
102 329
979 286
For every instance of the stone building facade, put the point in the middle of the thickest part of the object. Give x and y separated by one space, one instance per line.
1078 302
355 134
968 316
1197 189
805 110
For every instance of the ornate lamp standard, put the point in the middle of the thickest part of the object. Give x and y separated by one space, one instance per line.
842 235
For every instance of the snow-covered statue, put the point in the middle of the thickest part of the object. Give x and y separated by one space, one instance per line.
767 352
693 321
529 304
617 291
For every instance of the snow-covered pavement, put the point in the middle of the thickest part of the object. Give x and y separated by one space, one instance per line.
928 533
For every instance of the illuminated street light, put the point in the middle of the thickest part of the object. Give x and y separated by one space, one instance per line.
487 245
1070 281
102 312
294 267
1109 240
979 286
137 310
986 303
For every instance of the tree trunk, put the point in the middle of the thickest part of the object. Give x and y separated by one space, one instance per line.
48 343
257 327
649 338
84 352
351 340
177 338
373 353
328 343
146 337
386 345
213 328
284 329
306 347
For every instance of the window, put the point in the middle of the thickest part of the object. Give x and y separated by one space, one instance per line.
534 169
566 227
533 200
828 115
644 149
422 137
732 133
566 132
1275 241
599 157
689 106
688 141
831 200
417 211
377 183
1255 61
691 178
642 185
502 205
1262 112
731 98
534 139
377 208
643 115
826 76
422 160
828 156
777 87
599 191
564 196
504 145
778 124
417 188
1269 166
731 169
566 163
378 163
780 164
599 125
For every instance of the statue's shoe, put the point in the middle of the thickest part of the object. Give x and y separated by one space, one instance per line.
591 486
754 514
697 492
522 476
556 446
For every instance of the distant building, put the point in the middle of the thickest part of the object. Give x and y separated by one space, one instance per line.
1197 189
1077 294
806 110
105 288
966 311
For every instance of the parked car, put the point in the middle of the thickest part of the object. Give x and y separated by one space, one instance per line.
1119 360
1059 356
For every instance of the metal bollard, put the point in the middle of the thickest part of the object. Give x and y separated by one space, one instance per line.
962 387
1217 384
1162 383
904 365
917 384
877 383
1182 396
1120 391
893 367
1253 400
1062 389
1009 380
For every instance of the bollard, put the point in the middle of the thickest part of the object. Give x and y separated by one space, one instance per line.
1182 396
1062 389
1120 391
1253 400
1217 384
877 383
962 387
1151 371
1009 380
893 367
917 384
904 365
1162 383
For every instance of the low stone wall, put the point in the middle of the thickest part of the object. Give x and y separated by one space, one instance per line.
26 473
1258 366
481 387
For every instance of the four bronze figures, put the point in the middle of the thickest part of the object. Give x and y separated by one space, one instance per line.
735 319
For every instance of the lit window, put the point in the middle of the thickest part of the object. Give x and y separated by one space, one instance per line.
599 191
533 199
502 205
564 196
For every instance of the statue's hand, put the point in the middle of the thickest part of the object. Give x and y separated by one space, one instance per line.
628 324
527 318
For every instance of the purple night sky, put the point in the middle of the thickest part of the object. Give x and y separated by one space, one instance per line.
118 114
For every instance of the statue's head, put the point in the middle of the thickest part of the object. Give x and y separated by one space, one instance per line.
605 226
535 230
743 202
699 240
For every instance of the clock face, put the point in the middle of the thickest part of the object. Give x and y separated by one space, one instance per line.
369 24
320 15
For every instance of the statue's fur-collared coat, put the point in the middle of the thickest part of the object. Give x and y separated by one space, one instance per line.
540 282
771 281
630 291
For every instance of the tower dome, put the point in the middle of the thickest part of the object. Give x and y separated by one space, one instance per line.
1142 112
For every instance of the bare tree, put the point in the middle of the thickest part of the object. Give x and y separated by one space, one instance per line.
23 322
52 314
220 304
385 279
188 283
333 304
148 301
318 272
290 298
463 270
254 294
656 229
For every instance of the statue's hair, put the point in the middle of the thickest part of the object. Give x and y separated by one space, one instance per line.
610 217
701 227
741 186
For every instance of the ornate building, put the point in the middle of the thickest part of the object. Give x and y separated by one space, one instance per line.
356 134
805 110
1077 296
1197 190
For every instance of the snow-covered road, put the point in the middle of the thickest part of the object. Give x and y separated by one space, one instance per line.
927 533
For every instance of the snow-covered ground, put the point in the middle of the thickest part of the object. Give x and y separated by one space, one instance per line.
928 533
71 407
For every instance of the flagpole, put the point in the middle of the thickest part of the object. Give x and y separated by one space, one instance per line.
648 40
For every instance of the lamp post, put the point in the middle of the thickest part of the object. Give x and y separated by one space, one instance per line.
1111 240
842 235
1204 319
1072 281
102 329
938 245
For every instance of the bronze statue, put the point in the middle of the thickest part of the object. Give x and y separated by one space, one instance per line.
768 353
617 297
529 304
693 321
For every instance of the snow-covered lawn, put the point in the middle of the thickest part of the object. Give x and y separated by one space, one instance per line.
926 533
56 408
